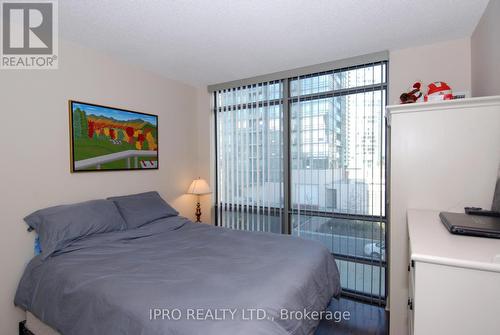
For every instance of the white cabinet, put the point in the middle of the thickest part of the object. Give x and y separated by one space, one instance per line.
454 280
443 156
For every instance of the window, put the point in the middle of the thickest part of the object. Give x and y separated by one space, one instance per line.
250 157
306 156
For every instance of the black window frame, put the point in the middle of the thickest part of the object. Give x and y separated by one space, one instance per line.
287 211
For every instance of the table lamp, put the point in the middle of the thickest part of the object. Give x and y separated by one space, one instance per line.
199 187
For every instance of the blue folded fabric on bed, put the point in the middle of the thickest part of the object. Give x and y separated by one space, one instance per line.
58 226
37 247
143 208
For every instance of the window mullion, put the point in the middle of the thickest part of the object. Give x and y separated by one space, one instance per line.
286 224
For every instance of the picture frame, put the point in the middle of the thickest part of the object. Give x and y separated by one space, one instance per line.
104 138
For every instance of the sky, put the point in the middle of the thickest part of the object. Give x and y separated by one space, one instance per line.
114 113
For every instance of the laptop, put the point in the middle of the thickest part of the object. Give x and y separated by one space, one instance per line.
477 222
471 225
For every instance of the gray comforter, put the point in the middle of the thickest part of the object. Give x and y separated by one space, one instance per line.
202 279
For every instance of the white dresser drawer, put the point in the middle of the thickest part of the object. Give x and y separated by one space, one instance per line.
453 281
411 295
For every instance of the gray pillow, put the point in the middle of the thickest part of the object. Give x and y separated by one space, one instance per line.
140 209
60 225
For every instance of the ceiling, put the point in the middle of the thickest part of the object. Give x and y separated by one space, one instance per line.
202 42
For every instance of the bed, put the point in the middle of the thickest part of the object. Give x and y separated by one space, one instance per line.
126 281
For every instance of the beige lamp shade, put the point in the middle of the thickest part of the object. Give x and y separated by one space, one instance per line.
199 186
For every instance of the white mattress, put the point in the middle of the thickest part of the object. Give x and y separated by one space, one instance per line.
37 327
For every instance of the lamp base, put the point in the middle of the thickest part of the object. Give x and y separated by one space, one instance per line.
198 212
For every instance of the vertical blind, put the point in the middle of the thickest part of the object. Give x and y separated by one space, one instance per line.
305 155
338 170
250 157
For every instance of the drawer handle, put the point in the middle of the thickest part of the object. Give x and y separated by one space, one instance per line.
410 304
411 265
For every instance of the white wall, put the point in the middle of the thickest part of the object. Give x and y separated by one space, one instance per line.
206 150
448 61
34 165
486 52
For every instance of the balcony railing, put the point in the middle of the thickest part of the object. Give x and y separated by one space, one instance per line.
128 155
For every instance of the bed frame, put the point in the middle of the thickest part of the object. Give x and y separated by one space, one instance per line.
23 330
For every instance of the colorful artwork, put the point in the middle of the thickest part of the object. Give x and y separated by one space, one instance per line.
106 138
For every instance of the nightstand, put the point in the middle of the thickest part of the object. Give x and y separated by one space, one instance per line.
454 281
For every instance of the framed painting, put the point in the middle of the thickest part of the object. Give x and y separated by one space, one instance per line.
111 139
